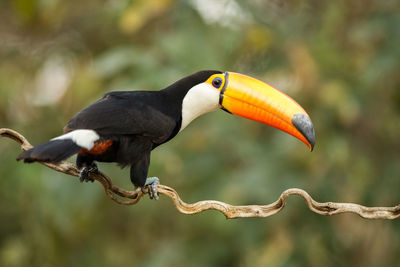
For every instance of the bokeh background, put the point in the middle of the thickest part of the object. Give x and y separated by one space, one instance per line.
339 59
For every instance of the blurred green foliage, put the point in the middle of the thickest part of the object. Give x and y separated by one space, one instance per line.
339 59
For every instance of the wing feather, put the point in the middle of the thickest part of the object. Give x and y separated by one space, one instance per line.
125 113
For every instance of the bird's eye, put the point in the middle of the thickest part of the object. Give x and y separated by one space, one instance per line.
217 82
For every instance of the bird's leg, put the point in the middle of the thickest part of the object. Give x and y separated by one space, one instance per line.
151 184
84 175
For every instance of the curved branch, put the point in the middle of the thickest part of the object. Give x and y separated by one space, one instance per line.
117 194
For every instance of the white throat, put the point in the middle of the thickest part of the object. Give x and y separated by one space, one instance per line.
200 99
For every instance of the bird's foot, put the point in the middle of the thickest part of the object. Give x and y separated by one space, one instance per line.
84 175
151 184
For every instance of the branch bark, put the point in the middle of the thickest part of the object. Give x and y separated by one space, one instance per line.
128 197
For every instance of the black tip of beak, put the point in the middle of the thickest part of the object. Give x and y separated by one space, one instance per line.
303 123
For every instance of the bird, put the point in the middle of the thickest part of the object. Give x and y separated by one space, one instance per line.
125 126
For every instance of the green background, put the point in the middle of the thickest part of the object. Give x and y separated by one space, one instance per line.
339 59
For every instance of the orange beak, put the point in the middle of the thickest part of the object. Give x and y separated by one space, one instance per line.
255 100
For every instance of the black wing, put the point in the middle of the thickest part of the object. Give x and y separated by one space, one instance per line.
126 113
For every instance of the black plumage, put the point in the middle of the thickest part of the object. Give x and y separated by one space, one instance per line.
135 121
52 151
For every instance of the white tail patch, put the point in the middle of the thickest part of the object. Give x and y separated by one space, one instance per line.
83 138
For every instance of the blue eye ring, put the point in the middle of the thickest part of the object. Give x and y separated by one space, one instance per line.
217 82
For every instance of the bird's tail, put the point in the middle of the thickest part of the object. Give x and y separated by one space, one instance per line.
52 151
60 148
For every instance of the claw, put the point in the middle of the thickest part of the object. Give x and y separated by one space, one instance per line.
151 184
84 175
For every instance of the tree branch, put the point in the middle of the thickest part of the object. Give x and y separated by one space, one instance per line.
132 197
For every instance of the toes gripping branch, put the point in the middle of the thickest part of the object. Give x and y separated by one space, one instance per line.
151 185
85 174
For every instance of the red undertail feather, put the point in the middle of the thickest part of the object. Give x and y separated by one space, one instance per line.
99 148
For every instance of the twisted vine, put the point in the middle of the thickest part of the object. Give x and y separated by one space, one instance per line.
127 197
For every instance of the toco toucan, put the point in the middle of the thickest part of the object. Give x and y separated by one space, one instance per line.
124 127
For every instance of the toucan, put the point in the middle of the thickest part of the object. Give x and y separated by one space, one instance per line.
125 126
